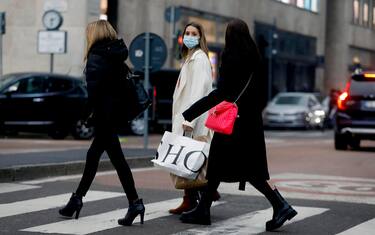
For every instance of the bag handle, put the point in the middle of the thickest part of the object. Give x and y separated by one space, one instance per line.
243 90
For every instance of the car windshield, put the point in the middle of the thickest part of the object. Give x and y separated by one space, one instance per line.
289 100
5 80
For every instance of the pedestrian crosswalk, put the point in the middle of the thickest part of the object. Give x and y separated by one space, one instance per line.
45 203
249 222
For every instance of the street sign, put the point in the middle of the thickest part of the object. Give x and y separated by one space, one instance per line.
52 42
168 14
158 52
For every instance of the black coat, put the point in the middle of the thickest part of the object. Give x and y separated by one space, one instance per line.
241 156
104 71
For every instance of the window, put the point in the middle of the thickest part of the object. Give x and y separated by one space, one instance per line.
29 85
314 5
300 3
59 85
310 5
356 11
365 18
364 13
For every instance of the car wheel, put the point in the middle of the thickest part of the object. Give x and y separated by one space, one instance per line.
82 131
340 142
137 126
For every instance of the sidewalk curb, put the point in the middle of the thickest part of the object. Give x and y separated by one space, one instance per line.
28 172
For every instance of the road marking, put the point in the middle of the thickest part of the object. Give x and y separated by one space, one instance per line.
45 203
314 187
104 221
78 176
8 187
366 228
251 223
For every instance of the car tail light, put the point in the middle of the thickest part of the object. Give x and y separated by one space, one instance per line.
154 92
343 98
369 75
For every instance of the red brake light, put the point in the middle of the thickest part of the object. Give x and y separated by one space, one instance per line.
341 100
154 93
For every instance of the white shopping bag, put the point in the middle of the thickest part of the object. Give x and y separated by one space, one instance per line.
180 155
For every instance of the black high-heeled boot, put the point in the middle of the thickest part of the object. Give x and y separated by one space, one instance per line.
282 212
74 205
201 213
135 208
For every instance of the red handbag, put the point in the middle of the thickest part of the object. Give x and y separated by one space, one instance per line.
221 118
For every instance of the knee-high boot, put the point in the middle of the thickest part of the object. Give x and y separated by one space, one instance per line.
201 213
282 212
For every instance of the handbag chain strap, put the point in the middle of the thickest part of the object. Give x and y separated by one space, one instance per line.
243 90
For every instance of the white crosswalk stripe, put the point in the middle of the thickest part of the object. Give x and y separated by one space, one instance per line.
104 221
9 187
251 223
45 203
366 228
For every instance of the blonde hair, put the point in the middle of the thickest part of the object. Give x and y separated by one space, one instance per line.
97 31
202 40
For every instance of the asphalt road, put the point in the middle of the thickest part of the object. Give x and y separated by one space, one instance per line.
333 192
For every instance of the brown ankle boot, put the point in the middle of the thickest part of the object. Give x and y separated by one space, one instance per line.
187 204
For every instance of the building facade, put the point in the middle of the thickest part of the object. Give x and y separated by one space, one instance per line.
291 45
350 36
23 23
307 45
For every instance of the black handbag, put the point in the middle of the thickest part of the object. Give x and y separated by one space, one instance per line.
137 98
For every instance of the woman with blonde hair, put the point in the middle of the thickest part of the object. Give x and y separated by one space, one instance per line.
194 82
105 67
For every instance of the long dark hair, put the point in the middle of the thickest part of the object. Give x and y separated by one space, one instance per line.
202 39
239 42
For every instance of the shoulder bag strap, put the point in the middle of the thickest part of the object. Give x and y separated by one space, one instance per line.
243 90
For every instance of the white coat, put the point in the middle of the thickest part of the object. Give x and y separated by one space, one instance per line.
194 82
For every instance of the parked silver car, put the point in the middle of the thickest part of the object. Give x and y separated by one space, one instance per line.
294 109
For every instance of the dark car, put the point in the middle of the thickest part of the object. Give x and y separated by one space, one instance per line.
162 84
44 102
355 117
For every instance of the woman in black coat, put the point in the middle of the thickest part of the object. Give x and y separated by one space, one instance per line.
241 156
105 69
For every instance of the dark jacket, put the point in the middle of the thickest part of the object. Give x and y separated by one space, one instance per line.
241 156
104 71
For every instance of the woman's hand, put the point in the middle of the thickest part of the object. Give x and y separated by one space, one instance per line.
187 128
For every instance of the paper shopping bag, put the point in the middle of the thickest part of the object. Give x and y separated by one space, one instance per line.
181 156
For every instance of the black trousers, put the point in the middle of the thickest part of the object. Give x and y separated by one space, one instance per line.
107 140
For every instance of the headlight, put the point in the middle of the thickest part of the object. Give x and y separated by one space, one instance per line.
319 113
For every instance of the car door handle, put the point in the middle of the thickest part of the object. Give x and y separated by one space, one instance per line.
38 100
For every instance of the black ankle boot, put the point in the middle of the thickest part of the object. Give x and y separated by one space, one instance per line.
201 213
135 208
282 212
74 205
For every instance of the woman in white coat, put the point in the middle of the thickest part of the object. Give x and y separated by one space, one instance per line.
194 82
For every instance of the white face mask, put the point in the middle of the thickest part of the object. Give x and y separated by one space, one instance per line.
191 41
